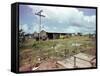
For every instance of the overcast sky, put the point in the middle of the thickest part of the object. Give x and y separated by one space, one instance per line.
58 19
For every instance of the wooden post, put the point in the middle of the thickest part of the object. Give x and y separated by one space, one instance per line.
74 62
65 53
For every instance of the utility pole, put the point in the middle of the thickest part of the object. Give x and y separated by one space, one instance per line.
40 15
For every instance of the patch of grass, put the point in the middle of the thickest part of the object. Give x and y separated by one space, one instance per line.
58 48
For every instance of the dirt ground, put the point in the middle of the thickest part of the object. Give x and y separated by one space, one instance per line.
49 64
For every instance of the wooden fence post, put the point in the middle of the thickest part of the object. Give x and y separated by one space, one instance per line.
74 62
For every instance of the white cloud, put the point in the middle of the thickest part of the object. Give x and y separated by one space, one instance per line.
35 27
74 19
55 28
44 27
24 27
29 29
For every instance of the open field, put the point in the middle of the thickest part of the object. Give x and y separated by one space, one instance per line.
35 52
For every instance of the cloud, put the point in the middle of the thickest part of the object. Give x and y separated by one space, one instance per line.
43 27
24 27
64 20
33 28
55 28
29 28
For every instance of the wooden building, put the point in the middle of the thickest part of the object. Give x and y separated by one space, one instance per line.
51 35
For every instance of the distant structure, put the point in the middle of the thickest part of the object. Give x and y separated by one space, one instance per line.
29 36
44 35
51 35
